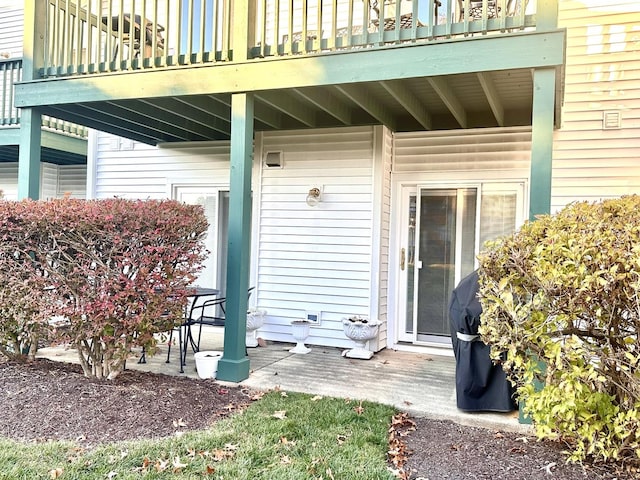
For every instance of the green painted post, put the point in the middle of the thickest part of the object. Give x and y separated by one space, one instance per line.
29 155
30 119
234 364
544 86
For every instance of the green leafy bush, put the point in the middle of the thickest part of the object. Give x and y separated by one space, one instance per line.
561 304
116 270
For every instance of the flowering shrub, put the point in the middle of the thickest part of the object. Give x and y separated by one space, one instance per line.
117 270
560 301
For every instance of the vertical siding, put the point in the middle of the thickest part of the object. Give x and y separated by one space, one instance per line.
11 28
602 74
381 279
316 259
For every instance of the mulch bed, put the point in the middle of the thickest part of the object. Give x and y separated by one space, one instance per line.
147 405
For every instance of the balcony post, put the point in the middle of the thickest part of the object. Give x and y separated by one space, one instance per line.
544 87
243 28
234 364
30 119
547 15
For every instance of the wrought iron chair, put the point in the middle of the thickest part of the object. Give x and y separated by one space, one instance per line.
475 9
208 313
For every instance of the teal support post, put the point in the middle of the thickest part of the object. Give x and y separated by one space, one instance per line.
35 14
544 85
29 155
234 364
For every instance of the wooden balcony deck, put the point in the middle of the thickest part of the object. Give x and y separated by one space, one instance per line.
64 142
165 70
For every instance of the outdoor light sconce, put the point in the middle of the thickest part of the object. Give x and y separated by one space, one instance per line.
313 198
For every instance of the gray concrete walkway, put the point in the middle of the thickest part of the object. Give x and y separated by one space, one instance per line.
421 384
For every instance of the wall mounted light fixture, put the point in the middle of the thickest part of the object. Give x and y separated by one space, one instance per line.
313 197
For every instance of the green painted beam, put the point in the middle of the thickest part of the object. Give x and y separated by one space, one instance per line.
10 136
524 50
409 101
29 154
329 103
64 143
443 90
193 122
234 364
493 98
544 87
288 106
359 95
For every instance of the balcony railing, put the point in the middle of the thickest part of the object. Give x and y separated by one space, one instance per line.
96 36
10 74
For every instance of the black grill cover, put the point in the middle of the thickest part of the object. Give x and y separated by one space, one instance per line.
481 385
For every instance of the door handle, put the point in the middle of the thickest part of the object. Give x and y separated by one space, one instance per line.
402 258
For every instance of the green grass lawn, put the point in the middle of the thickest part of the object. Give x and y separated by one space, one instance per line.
281 436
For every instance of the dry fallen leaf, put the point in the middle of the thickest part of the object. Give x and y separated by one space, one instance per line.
316 398
210 470
359 409
55 473
280 414
179 423
177 464
285 460
283 394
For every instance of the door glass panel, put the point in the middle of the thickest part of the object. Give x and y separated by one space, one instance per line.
410 257
447 234
497 215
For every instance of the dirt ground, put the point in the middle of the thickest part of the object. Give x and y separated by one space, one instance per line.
147 405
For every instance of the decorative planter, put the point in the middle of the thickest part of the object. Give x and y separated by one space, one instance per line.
207 363
360 330
300 331
255 320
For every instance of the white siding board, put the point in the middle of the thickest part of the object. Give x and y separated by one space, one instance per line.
9 180
603 73
316 258
48 181
11 28
136 170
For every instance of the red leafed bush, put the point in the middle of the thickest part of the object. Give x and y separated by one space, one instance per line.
23 314
118 270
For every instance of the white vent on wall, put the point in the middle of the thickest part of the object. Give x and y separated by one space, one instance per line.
273 160
611 119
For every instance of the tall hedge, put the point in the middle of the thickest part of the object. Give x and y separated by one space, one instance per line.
115 270
561 303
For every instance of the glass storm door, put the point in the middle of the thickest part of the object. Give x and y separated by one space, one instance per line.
439 245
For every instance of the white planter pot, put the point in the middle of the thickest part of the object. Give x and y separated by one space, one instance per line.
207 363
300 332
255 320
360 332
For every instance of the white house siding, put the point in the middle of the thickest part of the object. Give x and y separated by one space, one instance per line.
72 181
48 181
602 74
483 154
11 27
55 181
134 170
316 259
9 180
